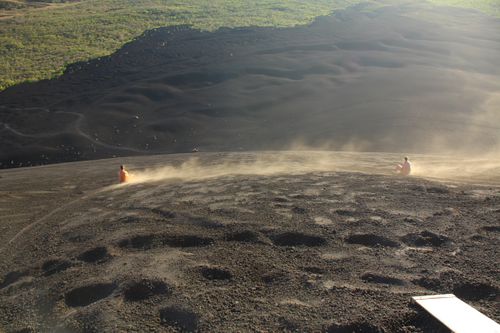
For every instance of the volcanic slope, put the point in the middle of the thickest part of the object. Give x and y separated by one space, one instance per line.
399 78
240 243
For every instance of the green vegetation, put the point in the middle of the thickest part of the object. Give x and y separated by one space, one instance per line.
37 41
39 38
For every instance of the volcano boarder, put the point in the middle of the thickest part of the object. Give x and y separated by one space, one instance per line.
405 168
123 176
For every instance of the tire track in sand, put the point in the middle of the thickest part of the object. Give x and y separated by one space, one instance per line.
52 213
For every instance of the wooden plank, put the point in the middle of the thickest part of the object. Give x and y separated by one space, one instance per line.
457 315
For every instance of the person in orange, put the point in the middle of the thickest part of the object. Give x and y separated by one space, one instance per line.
124 176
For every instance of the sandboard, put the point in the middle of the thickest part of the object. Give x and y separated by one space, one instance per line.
457 315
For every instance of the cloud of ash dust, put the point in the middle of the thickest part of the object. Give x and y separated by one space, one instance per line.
485 169
475 162
263 163
481 168
478 154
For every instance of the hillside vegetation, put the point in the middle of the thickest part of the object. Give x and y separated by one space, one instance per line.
38 39
36 42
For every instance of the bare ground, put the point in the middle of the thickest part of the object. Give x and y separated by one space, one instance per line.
312 251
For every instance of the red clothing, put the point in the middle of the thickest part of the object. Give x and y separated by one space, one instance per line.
124 176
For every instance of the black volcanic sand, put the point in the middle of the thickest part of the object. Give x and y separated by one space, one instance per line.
313 252
400 78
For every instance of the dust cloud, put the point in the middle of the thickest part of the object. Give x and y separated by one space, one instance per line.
264 164
479 169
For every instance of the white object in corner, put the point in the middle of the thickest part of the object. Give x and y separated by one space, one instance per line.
457 315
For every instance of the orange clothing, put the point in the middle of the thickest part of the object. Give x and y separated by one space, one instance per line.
124 177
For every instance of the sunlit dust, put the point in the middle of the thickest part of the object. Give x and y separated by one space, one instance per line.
484 169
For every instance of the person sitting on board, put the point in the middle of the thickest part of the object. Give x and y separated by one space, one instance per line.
124 176
405 168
